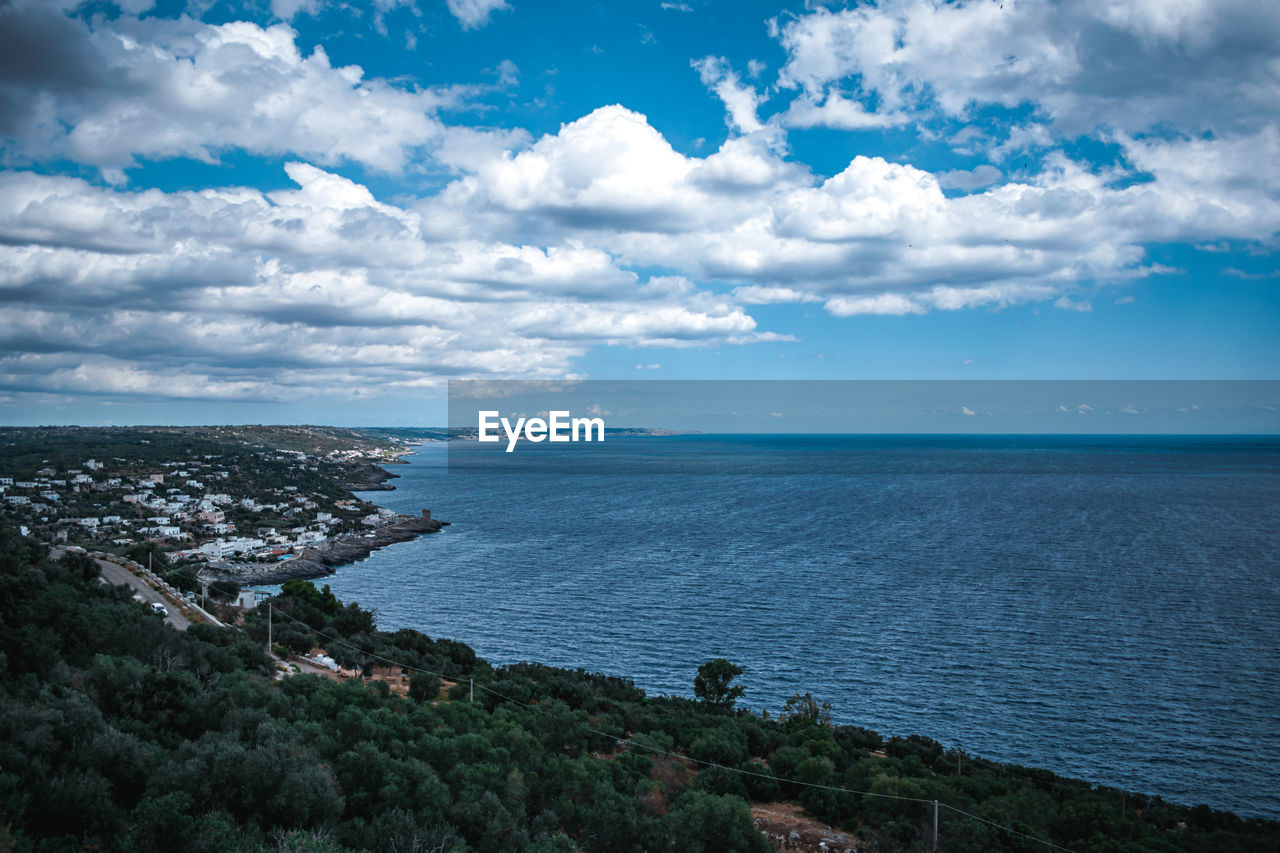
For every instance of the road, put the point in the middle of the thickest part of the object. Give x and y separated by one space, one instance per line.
118 575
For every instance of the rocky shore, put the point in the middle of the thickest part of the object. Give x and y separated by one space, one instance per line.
320 560
374 478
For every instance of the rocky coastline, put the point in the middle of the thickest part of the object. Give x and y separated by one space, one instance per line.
321 559
374 478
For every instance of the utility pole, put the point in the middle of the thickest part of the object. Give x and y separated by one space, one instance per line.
268 627
472 697
935 825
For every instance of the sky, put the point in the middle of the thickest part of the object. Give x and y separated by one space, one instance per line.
283 211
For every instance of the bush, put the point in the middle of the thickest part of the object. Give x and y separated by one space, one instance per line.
423 687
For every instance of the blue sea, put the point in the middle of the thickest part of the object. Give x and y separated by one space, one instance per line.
1107 608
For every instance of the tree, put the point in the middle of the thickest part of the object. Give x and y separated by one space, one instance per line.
423 687
712 684
703 822
806 711
149 556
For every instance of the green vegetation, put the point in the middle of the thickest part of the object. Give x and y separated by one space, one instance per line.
712 684
119 733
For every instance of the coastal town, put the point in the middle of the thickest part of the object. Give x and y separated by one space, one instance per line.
242 504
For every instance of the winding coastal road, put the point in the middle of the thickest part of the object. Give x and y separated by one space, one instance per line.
118 575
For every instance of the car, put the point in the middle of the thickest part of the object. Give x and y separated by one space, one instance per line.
159 609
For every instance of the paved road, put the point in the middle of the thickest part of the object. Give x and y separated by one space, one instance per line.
118 575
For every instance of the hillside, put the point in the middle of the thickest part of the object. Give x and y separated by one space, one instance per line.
119 733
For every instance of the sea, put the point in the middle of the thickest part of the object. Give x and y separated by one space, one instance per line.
1104 607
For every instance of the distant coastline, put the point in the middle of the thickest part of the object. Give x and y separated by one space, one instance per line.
247 504
325 557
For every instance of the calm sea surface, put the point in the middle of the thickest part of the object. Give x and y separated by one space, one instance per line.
1105 608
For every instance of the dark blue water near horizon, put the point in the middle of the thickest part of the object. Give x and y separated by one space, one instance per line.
1105 608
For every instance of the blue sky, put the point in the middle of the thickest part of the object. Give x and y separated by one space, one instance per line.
314 210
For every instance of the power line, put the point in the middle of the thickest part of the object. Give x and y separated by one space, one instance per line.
634 744
1005 828
643 746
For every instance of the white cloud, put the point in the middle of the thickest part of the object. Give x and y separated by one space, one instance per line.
473 14
529 256
755 294
159 88
268 296
884 303
836 111
970 179
741 102
1066 303
1210 188
1191 65
748 216
287 10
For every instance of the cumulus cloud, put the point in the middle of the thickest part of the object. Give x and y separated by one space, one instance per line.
747 215
535 250
268 295
1191 65
110 92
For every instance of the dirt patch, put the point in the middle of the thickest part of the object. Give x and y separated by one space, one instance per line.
786 825
392 675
